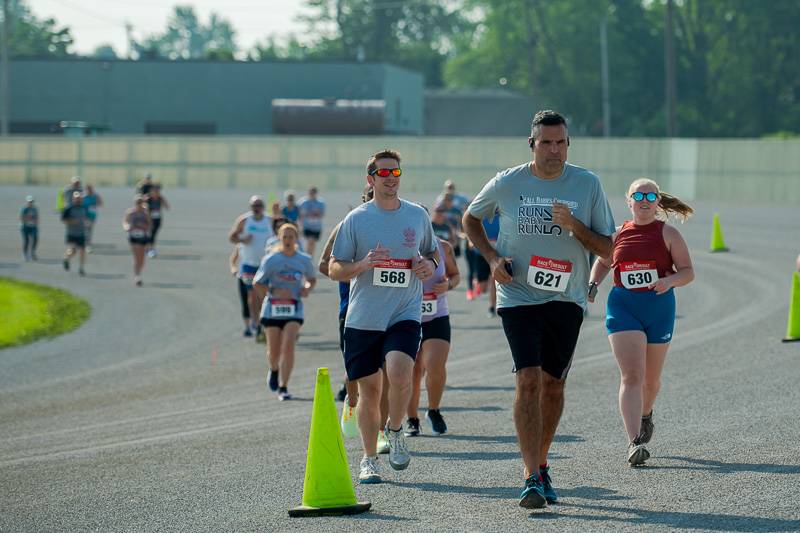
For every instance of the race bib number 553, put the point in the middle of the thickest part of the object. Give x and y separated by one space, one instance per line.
549 274
392 273
638 274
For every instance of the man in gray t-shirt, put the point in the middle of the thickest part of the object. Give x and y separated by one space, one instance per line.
552 215
386 248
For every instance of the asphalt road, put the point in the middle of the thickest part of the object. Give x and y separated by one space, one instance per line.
154 414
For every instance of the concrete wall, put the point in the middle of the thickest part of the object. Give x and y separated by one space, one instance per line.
235 97
735 170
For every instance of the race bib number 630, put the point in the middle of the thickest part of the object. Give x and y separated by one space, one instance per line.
638 274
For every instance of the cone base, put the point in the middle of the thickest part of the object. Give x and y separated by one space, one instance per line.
720 250
791 340
303 510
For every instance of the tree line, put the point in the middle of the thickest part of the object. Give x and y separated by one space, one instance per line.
736 62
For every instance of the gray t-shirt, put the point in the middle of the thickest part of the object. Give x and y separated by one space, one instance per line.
377 299
280 271
561 272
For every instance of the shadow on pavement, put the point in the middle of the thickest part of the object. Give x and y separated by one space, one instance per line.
503 493
497 439
11 265
470 456
591 493
169 242
489 326
479 387
730 468
98 275
319 345
642 518
162 285
179 257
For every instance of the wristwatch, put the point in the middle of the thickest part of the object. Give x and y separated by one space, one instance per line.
592 289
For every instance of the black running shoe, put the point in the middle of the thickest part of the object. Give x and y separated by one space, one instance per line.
646 431
66 264
412 427
438 427
273 380
341 394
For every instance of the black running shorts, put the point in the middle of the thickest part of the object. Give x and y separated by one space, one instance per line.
438 328
543 335
279 323
365 350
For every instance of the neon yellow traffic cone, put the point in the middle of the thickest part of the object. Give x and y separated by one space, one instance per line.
717 240
328 489
793 327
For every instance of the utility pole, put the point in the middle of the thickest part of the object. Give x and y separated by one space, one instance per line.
604 76
4 97
669 69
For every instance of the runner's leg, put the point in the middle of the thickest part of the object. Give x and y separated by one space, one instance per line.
368 411
629 349
288 339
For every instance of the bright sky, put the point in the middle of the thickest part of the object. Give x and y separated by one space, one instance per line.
94 22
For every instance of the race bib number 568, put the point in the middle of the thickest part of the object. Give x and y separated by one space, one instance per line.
392 273
549 274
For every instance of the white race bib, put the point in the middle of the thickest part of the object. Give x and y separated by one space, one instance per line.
282 308
549 274
155 213
430 304
392 273
138 233
638 274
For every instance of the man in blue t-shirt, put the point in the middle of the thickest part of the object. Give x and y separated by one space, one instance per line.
552 215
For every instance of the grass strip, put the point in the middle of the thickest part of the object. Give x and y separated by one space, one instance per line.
29 311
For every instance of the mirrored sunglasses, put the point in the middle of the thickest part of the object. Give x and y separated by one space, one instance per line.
639 196
386 172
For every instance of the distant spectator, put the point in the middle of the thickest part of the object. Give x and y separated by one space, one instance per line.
29 226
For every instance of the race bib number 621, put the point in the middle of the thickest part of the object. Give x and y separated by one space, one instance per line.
549 274
392 273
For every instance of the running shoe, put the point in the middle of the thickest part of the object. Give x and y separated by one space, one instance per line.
476 288
637 453
370 472
550 493
646 431
349 422
342 394
398 451
434 417
272 379
247 332
66 264
261 338
82 273
137 281
412 427
470 296
532 495
383 444
33 256
491 313
152 253
284 395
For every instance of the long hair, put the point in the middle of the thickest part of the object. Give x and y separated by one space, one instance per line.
667 204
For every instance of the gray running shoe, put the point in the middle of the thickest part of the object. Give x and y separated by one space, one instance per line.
398 451
637 453
646 431
370 473
532 495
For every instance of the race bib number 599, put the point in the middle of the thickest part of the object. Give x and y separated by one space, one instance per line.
549 274
638 274
392 273
282 308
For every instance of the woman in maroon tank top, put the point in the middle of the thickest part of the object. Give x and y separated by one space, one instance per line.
649 259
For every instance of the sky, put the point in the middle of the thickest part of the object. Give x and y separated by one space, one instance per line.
94 22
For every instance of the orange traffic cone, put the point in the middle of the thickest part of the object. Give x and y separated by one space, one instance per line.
328 489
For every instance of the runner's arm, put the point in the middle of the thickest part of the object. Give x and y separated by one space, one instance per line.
680 258
233 236
476 233
325 259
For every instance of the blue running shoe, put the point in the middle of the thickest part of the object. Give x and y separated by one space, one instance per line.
550 493
532 496
272 379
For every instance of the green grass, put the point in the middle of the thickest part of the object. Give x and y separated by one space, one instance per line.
29 311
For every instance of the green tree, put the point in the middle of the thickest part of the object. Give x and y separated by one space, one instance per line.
105 51
416 34
186 37
30 36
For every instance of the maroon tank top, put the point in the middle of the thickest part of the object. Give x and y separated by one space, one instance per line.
640 251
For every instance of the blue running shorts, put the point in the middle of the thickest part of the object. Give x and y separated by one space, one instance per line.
641 311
